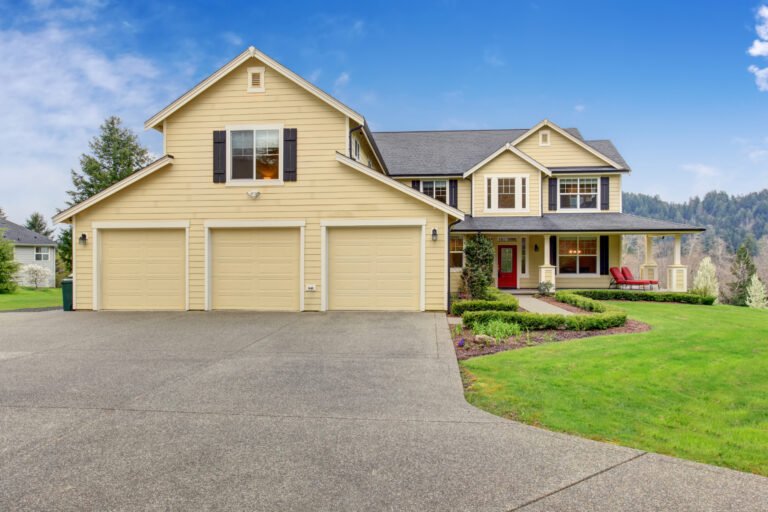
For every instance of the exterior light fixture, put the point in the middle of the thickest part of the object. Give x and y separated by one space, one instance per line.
253 194
535 247
83 239
434 234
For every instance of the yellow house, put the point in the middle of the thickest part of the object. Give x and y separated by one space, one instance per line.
273 195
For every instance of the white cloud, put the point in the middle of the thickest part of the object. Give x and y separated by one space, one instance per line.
758 48
762 22
232 38
57 88
758 155
493 59
341 81
314 76
580 108
701 169
761 77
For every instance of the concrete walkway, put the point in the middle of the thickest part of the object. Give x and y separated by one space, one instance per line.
534 305
309 411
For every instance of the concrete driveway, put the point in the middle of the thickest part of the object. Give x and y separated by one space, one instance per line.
343 411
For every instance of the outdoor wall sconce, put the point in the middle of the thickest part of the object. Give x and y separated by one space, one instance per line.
434 234
83 239
535 247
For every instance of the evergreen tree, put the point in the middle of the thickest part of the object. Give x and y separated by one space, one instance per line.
36 222
756 294
478 268
64 249
115 154
743 268
8 266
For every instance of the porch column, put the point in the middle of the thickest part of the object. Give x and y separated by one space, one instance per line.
649 269
547 271
677 273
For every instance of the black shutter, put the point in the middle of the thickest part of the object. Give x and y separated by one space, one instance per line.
219 156
453 193
604 193
604 255
553 251
289 156
416 184
552 194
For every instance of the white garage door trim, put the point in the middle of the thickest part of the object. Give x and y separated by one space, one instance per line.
213 224
144 224
331 223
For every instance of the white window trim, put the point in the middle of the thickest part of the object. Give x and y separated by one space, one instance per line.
495 194
572 210
456 269
356 149
577 275
249 183
47 253
252 71
548 134
520 272
447 189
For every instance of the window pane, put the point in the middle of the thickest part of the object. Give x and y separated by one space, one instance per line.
523 250
428 187
441 191
242 155
268 154
457 260
506 259
567 264
457 244
568 201
506 192
489 189
587 264
588 185
587 246
523 191
588 201
569 185
567 246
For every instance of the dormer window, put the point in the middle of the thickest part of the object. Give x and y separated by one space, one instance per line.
256 79
356 149
544 138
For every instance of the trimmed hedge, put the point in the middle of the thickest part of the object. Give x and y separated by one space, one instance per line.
683 298
539 321
499 301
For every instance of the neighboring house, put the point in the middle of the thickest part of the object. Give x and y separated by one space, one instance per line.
273 195
30 248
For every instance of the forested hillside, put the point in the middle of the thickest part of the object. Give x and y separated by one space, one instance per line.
729 218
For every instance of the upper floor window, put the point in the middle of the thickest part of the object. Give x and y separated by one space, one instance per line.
506 193
544 138
255 154
42 253
579 193
256 79
356 149
436 188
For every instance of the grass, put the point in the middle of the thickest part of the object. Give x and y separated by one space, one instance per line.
695 386
25 298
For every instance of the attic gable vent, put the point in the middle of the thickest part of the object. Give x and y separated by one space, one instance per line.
256 79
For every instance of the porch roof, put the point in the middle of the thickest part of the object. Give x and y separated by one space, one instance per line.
573 222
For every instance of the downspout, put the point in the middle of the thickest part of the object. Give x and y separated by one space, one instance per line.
350 138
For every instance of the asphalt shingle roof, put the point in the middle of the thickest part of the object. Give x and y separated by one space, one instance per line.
573 222
22 236
451 153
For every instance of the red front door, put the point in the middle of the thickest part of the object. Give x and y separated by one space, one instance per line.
507 266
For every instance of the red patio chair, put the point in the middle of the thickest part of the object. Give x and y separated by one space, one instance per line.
620 281
629 277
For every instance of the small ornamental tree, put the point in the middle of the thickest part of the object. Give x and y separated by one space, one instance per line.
8 267
478 266
743 268
705 281
37 275
756 297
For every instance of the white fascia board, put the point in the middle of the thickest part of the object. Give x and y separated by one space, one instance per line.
509 147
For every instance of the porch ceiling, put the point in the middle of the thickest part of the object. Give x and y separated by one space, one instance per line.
573 223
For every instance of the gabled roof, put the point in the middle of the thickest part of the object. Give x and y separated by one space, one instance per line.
573 223
20 235
158 164
454 152
399 186
250 53
512 149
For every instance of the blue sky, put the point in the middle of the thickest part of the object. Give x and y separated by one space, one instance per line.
668 82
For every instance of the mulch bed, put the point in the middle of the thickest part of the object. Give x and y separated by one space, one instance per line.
563 305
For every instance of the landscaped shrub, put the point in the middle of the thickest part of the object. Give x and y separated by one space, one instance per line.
580 301
477 274
612 317
633 295
8 267
497 301
497 329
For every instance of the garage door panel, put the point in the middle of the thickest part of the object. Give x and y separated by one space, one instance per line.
143 269
255 269
374 268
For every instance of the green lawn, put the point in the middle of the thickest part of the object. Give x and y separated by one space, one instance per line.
31 298
695 386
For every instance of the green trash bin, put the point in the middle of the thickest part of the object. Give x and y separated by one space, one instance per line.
66 291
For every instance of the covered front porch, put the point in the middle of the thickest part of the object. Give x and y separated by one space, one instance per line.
577 251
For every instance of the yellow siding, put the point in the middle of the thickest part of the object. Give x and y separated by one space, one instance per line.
464 189
507 163
614 203
560 153
325 188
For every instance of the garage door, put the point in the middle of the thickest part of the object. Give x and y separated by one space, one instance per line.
255 269
374 268
143 269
